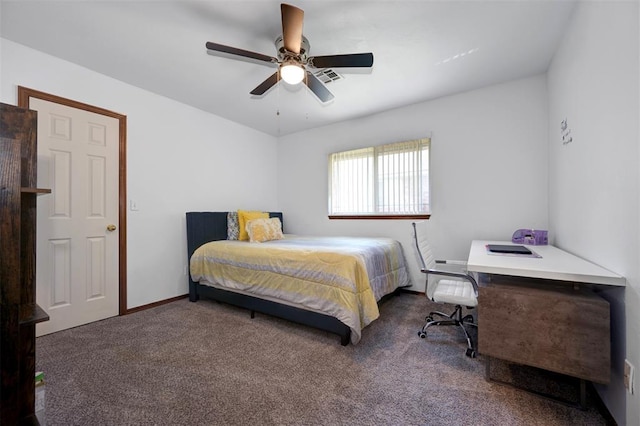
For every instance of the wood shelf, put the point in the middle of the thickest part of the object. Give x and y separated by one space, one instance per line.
36 315
35 190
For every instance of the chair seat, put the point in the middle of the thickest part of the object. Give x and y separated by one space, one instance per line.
455 292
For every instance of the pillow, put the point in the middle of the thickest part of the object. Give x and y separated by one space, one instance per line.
245 216
261 230
233 229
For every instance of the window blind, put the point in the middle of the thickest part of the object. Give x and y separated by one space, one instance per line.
390 179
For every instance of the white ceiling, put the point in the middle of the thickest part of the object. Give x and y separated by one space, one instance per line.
422 49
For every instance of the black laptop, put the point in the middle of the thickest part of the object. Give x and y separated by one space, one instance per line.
500 248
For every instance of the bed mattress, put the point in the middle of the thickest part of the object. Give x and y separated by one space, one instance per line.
339 276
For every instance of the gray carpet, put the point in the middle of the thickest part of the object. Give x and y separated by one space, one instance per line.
207 363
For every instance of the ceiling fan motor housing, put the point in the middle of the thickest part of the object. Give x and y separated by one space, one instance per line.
284 54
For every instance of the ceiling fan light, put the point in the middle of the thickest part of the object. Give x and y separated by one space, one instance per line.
292 73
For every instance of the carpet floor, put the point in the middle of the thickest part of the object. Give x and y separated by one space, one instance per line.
208 363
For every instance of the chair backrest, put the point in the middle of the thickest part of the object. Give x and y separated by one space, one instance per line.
426 260
422 247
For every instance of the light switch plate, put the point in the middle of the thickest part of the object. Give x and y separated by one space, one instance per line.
628 376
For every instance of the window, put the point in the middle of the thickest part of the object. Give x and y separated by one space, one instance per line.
386 180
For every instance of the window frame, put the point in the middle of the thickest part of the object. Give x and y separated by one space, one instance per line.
381 216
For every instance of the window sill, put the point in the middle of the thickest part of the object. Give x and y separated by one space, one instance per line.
382 217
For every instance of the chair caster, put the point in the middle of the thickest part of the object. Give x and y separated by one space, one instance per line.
428 318
468 318
470 353
422 334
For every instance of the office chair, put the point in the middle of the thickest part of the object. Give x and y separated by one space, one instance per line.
447 281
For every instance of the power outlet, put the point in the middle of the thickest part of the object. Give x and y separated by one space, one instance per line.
628 376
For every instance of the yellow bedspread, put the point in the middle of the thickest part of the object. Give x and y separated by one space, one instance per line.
332 275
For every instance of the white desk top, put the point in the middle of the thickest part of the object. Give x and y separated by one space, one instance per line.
555 264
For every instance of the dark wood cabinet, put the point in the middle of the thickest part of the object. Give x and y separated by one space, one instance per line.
547 325
19 312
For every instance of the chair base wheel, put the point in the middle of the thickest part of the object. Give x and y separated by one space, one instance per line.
470 353
422 334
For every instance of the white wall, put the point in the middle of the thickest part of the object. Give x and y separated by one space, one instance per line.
179 159
593 181
488 168
586 192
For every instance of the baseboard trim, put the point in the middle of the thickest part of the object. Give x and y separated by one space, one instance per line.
154 304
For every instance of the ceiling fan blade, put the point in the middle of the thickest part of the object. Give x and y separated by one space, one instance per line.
240 52
318 88
292 19
353 60
266 85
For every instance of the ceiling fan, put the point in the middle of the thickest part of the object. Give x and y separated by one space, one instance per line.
292 58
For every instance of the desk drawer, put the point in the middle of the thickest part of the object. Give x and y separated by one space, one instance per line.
555 328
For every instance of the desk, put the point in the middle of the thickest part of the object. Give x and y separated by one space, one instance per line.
536 311
555 264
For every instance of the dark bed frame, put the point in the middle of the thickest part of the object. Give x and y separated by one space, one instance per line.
203 227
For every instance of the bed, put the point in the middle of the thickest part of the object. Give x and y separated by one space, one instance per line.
330 283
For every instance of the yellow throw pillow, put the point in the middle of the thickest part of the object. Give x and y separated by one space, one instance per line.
245 216
261 230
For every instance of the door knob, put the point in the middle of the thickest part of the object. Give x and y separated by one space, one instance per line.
111 228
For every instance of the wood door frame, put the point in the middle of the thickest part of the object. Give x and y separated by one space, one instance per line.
24 96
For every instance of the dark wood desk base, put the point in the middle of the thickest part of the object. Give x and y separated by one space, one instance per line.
555 326
582 389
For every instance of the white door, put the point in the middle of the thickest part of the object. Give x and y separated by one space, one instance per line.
77 234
